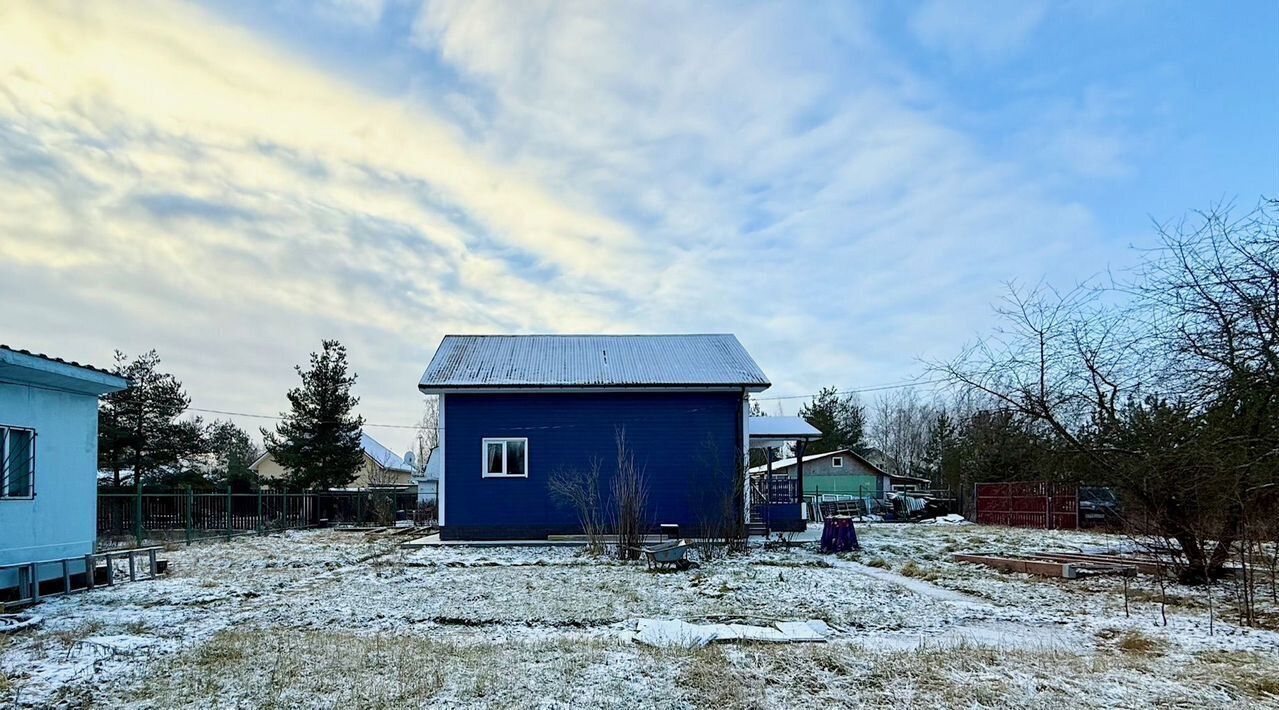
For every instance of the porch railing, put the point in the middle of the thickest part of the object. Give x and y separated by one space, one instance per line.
777 489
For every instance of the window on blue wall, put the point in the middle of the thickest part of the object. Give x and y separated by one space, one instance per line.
505 458
836 462
17 462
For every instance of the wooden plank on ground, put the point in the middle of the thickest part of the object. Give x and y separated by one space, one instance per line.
1144 566
1044 568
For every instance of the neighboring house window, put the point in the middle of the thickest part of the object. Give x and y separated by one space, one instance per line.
837 462
504 458
17 462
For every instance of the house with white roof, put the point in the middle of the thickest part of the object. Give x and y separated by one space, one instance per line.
382 468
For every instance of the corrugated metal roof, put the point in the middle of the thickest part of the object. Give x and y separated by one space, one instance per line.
480 361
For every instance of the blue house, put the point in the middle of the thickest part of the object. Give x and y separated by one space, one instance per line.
48 461
515 410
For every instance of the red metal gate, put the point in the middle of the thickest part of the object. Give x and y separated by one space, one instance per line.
1049 506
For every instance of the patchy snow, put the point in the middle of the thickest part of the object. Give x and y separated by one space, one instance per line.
668 633
264 620
948 519
915 586
11 623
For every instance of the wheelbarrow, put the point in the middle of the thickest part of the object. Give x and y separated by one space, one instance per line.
667 555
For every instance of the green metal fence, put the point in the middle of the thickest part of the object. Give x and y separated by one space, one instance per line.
127 519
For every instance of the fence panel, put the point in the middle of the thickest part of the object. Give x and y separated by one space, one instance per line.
126 519
1048 506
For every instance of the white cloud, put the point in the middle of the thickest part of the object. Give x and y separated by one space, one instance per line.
988 30
1083 136
800 175
186 187
168 181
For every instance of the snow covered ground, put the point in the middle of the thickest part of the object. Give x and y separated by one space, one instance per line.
325 618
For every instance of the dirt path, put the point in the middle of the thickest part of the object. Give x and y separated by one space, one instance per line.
920 587
996 634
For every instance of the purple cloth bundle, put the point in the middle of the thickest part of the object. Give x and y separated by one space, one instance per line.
839 535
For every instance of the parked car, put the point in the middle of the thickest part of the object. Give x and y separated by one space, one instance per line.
1099 507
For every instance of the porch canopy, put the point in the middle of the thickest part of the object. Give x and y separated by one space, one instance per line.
777 502
772 432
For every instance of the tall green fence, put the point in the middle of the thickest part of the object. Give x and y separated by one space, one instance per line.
147 517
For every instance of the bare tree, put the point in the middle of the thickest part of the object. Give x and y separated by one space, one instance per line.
580 490
1166 386
901 427
428 432
625 513
629 509
382 485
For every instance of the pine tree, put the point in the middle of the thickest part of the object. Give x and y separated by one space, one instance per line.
233 450
941 453
757 457
138 427
841 420
318 441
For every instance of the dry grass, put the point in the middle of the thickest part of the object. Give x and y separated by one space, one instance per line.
971 676
705 672
287 668
912 569
879 562
1153 596
1266 688
6 682
841 675
1251 676
70 637
534 649
276 668
1137 642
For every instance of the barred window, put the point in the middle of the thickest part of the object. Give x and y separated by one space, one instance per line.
17 462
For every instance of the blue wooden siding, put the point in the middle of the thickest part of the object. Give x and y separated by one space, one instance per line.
60 519
688 444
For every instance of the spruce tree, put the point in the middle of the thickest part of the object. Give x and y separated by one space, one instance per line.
138 428
233 452
318 440
841 421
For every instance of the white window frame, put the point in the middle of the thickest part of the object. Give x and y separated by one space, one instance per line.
5 438
484 456
837 462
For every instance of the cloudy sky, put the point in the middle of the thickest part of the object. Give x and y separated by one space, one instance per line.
845 186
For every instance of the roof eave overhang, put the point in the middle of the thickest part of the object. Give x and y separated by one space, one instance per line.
762 440
31 370
426 388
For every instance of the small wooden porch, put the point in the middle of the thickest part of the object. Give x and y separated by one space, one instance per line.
775 502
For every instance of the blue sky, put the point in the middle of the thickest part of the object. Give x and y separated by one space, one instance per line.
846 187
